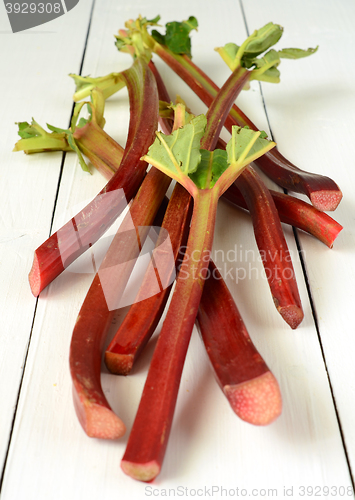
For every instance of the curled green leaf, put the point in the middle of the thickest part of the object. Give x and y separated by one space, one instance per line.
252 54
177 36
296 53
262 39
178 154
210 168
35 139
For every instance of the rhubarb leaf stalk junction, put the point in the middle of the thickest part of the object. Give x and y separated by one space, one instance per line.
179 155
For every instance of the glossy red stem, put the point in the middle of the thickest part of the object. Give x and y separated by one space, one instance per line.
69 242
294 212
241 372
97 311
149 436
272 246
143 316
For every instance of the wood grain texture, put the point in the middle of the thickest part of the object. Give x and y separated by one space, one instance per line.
320 100
209 447
34 82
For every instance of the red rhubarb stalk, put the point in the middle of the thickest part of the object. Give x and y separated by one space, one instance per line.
96 313
272 247
69 242
245 379
294 212
149 436
101 301
143 316
178 155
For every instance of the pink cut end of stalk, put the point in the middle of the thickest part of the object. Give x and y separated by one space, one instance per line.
34 277
141 472
119 364
326 200
293 315
257 401
98 421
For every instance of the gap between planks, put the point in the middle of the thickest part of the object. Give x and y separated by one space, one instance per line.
50 230
308 287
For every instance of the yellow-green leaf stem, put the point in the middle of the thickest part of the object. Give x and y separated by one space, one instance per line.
109 85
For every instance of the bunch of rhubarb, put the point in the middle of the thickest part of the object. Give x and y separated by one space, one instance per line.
185 150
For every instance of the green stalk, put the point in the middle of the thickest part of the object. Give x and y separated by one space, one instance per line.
109 85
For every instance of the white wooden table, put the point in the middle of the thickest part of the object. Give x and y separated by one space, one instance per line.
44 453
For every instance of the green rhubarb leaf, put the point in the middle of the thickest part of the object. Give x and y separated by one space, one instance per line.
134 39
262 39
177 36
178 154
296 53
271 75
58 130
210 168
158 37
35 139
262 68
266 67
229 54
152 22
270 59
26 131
246 145
82 122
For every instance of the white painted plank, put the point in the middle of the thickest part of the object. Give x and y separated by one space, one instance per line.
33 82
209 446
315 106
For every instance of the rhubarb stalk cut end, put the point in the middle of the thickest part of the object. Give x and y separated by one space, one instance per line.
34 277
293 315
257 401
326 200
141 472
98 421
119 364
